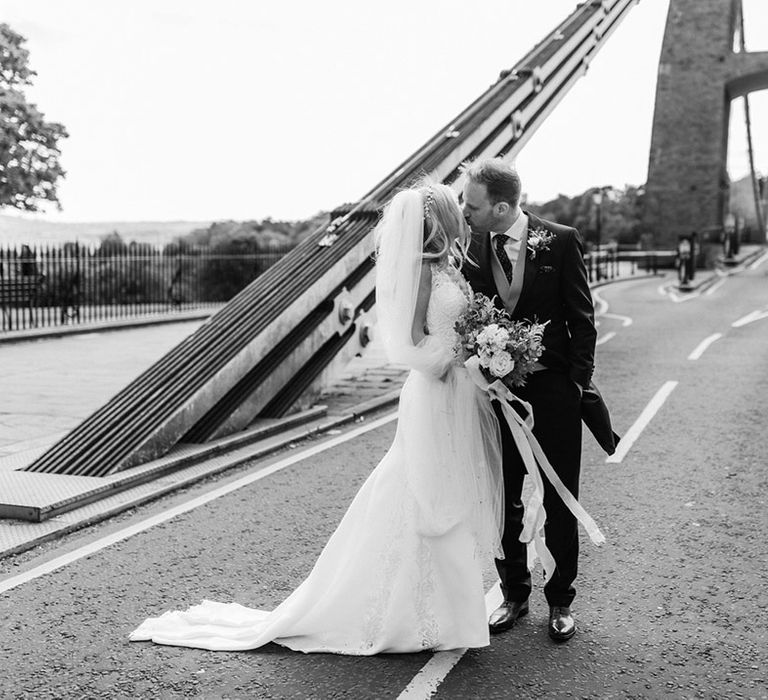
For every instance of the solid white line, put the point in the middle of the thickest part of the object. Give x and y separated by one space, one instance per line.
689 296
749 318
602 304
125 533
703 345
426 682
758 262
639 425
605 338
716 286
625 320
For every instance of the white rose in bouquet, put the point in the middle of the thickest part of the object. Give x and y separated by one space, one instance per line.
501 364
485 337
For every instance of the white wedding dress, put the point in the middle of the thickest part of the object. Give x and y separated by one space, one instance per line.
403 572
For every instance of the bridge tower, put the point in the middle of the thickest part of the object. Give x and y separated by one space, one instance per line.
700 73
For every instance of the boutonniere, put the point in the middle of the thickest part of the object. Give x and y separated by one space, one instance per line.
539 240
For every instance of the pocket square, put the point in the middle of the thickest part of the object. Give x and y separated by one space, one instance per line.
546 268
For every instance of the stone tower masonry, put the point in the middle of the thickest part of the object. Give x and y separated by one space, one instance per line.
699 75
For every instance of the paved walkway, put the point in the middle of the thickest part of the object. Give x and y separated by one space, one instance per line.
48 386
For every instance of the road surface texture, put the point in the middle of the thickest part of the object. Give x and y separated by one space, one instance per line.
674 605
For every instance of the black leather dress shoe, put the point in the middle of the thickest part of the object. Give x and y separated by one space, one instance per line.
561 625
505 616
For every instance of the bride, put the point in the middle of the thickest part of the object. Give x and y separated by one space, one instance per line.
403 570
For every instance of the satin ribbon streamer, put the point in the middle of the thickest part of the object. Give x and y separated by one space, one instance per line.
535 462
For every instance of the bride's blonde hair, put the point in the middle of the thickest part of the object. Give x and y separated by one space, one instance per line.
443 216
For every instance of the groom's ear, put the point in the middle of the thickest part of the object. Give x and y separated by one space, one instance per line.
501 208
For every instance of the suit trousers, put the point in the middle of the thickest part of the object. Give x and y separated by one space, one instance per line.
556 404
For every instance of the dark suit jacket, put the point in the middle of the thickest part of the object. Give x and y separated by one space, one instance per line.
555 289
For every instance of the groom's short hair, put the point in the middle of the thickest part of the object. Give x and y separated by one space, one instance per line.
500 179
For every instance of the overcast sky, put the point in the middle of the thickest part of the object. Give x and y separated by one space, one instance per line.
239 109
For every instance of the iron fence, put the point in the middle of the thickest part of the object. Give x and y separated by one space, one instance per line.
611 264
53 285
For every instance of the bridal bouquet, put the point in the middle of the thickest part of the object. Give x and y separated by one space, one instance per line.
498 346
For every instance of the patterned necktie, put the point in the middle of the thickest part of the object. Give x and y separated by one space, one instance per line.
499 241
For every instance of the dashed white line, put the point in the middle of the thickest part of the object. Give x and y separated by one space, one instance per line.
125 533
750 318
639 425
703 345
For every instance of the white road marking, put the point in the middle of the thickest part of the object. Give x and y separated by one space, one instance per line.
601 305
625 320
703 345
601 310
605 338
749 318
426 682
103 542
639 425
759 261
716 286
688 296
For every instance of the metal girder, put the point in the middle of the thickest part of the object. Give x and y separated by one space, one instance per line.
276 342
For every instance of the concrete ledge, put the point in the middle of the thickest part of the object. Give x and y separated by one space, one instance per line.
82 511
36 497
22 536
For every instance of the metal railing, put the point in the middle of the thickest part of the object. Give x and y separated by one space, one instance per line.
612 264
45 286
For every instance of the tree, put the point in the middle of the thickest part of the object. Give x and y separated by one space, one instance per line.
620 215
29 150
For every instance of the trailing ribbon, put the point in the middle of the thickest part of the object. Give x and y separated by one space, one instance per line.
535 462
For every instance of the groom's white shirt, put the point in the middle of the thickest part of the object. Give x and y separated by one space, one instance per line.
515 232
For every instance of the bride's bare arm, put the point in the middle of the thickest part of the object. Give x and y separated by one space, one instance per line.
418 330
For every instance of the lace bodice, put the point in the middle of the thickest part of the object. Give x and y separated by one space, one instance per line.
448 298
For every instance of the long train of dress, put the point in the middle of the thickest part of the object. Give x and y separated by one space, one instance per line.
403 570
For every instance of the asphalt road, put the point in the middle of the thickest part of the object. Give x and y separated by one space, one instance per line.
674 605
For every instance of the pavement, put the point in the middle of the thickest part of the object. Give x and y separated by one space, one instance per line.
51 382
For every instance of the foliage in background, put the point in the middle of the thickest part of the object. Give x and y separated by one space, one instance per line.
241 251
742 206
620 215
29 145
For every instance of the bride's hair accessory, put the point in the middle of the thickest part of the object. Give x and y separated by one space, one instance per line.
446 233
429 200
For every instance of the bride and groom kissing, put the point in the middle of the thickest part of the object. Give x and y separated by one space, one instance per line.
403 572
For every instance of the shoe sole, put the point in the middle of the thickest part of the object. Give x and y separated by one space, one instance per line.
559 638
496 630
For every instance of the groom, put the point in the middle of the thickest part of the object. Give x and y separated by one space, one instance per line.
535 270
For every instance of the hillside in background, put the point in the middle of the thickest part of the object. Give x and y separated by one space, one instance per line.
15 229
